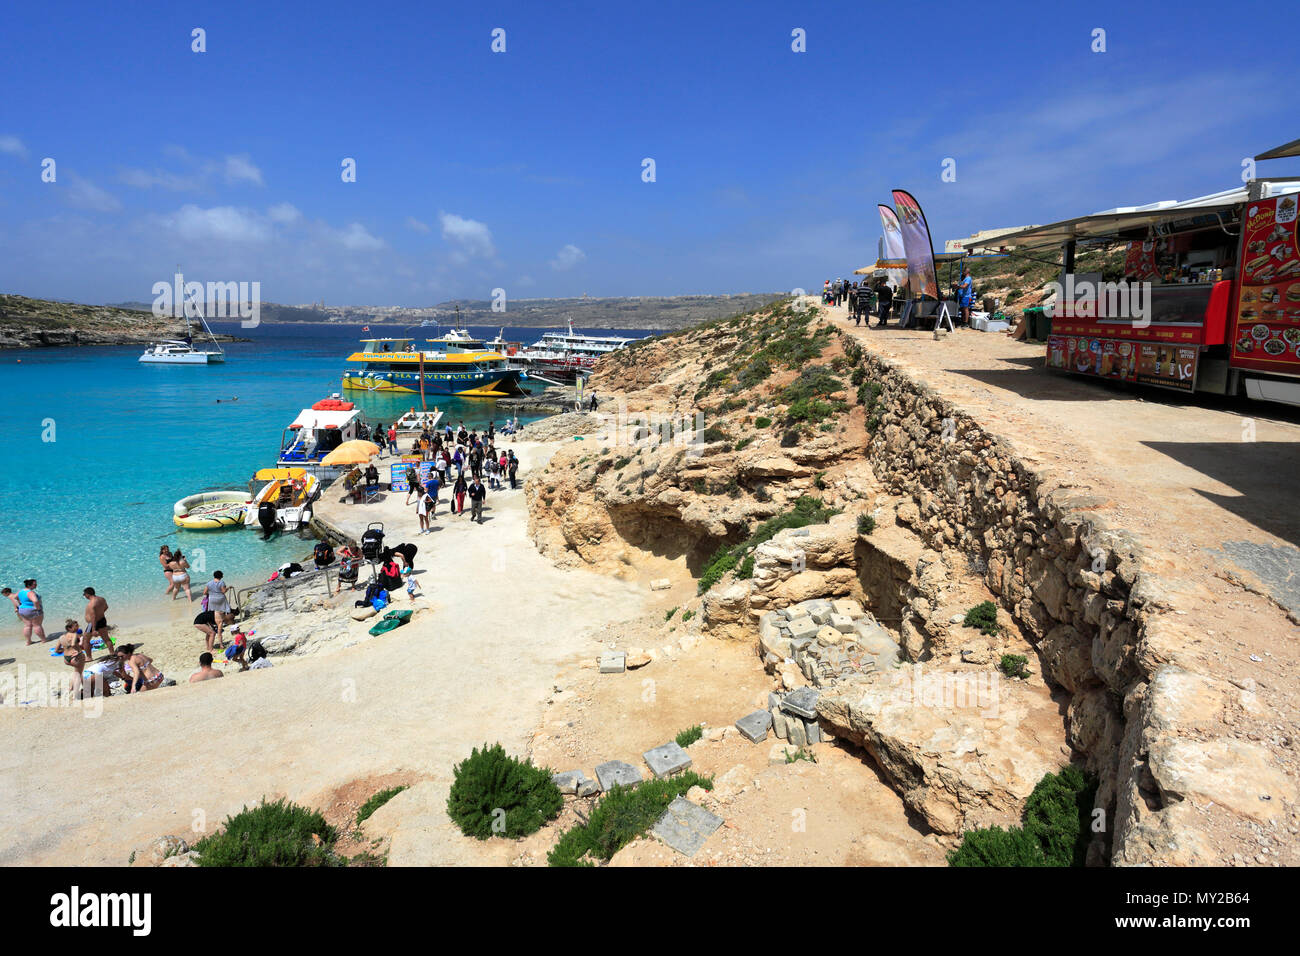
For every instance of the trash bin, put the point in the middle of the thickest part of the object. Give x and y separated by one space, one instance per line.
1034 319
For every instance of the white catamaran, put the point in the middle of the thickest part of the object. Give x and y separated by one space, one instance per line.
182 351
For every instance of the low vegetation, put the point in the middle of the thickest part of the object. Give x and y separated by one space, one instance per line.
1013 665
807 510
983 616
689 736
272 834
620 817
375 802
1054 832
493 794
866 524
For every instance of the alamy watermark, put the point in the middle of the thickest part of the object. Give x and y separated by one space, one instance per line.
215 300
1121 300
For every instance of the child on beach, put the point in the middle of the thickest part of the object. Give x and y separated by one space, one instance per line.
235 652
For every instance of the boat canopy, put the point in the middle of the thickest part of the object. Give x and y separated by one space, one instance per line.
311 418
280 474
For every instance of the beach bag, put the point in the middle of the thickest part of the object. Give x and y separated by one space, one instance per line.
390 621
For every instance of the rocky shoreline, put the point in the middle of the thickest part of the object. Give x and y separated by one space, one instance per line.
36 323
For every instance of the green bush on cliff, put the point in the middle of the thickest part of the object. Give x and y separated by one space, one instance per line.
1055 828
620 817
493 794
272 834
762 421
806 510
983 616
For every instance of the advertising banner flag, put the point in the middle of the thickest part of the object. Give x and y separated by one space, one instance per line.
917 245
893 257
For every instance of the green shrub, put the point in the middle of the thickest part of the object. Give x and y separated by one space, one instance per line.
866 524
271 834
375 802
859 376
997 847
794 756
790 438
714 433
721 562
1013 665
744 441
819 480
493 794
689 736
668 616
621 463
755 372
746 569
620 817
762 421
687 615
983 616
1055 828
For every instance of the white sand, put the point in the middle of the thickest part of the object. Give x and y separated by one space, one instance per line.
473 668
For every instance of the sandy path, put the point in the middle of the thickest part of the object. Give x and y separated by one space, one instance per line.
474 668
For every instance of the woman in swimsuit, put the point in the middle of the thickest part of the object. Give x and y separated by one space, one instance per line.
218 603
180 576
206 622
31 611
165 559
141 675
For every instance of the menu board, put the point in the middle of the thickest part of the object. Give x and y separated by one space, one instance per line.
1146 363
1140 261
1267 334
397 474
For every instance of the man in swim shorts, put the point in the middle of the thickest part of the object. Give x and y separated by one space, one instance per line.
96 623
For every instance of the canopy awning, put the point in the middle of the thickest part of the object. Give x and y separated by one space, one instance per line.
1110 222
1281 152
280 474
311 418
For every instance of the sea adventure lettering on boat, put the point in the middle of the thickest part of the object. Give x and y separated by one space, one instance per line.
217 300
75 909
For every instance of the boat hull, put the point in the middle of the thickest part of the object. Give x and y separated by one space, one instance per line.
193 358
487 384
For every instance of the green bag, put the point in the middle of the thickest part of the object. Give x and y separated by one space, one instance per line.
389 621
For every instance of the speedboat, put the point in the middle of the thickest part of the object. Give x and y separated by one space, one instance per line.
289 493
316 432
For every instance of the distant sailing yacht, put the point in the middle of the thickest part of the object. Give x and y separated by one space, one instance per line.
182 351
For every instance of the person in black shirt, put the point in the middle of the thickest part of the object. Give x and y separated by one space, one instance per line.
476 495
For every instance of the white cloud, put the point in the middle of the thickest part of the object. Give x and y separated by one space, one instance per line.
415 224
567 258
473 238
83 194
358 239
13 146
219 223
284 214
240 169
146 179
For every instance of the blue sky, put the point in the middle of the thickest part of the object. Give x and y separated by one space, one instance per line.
523 170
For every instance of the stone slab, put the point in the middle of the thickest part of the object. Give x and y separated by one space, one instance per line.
613 662
795 733
801 627
667 759
569 780
842 623
685 826
613 773
778 723
802 702
813 731
754 727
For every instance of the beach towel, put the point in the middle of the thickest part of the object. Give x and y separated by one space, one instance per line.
391 620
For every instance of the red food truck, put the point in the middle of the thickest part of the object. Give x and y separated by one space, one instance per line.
1209 301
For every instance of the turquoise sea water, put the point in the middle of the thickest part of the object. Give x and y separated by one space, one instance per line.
98 447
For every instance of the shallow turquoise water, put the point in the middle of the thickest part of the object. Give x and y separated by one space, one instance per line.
98 447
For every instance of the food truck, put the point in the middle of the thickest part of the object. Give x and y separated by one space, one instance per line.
1209 300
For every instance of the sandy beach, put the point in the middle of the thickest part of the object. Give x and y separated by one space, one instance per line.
497 622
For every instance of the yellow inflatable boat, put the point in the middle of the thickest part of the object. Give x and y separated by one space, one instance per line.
211 510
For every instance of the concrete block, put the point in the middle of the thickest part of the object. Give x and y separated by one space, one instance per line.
588 788
813 731
849 608
802 702
778 723
613 773
613 662
754 727
822 615
829 635
685 827
842 623
568 781
773 700
660 584
802 627
794 732
667 759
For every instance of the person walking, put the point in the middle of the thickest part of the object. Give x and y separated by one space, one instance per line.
458 494
218 603
512 466
476 495
31 612
886 303
422 507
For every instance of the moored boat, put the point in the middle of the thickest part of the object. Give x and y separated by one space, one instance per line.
316 432
454 364
289 493
211 510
